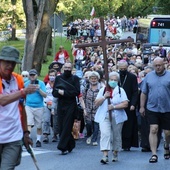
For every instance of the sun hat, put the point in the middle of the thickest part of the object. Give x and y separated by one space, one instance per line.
9 53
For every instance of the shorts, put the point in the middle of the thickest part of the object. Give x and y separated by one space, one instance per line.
10 155
161 119
34 116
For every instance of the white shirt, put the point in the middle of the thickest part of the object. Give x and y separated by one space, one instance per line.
102 111
61 58
79 55
49 90
10 123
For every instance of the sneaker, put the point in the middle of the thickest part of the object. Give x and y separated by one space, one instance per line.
45 140
38 143
88 141
81 135
54 139
94 143
115 157
104 160
64 152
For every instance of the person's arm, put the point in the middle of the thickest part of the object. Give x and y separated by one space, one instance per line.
9 98
134 98
101 99
42 89
143 98
122 105
43 94
26 137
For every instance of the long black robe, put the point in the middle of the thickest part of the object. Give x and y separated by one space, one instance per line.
66 109
130 127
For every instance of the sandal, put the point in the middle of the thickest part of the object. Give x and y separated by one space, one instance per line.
153 159
166 152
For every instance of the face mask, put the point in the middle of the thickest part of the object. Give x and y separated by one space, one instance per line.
25 79
113 84
123 72
57 69
51 78
67 73
93 83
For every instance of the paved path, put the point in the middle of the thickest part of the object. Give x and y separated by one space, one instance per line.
87 157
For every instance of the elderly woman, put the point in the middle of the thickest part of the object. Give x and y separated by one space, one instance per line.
111 129
89 96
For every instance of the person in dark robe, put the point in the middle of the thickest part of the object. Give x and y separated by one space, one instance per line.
128 82
66 88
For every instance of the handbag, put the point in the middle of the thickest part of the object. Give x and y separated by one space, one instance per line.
79 112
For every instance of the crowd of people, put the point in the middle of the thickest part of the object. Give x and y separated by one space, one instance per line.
128 110
90 29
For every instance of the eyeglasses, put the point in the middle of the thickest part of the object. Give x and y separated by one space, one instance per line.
32 74
24 75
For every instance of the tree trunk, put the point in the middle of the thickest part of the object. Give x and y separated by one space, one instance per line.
33 24
37 36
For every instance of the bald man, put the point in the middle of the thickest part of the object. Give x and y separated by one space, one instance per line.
156 94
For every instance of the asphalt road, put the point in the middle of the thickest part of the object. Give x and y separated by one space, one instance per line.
87 157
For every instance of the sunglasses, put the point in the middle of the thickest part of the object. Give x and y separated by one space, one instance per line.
32 74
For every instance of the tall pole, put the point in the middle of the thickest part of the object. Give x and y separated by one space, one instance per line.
54 37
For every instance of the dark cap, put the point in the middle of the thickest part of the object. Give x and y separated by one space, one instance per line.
9 53
33 71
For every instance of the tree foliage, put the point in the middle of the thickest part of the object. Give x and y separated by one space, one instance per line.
6 13
34 15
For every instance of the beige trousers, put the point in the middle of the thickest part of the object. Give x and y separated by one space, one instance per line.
110 137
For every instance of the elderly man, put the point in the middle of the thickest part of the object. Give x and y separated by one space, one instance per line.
34 104
12 92
156 91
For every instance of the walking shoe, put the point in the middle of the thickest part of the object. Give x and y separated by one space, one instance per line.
88 141
81 135
104 160
38 143
45 140
54 139
115 157
94 143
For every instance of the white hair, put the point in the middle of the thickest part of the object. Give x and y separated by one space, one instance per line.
94 74
25 73
122 62
114 73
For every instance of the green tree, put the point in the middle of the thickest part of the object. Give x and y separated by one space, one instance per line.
38 31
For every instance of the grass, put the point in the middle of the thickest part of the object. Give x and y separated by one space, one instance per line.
20 46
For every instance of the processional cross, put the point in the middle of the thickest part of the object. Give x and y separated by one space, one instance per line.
103 43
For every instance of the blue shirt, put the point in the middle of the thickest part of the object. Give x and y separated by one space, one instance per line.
157 89
35 99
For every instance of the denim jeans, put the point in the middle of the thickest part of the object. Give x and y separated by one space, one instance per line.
92 128
10 155
79 65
